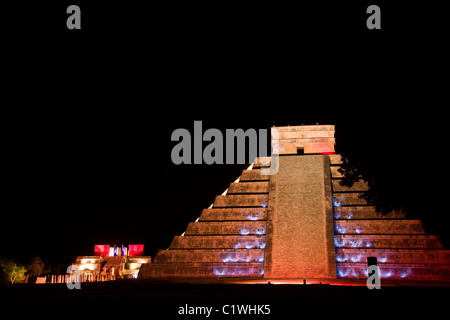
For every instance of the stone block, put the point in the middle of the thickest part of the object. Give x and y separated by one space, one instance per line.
335 172
364 212
357 186
200 270
335 159
388 241
218 242
349 198
228 256
259 164
226 228
363 227
428 272
253 175
393 255
223 214
254 200
249 187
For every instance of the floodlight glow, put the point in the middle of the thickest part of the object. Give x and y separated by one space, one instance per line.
245 232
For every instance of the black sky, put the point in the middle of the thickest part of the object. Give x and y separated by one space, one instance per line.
88 113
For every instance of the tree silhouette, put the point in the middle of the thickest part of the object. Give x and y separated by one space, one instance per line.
380 194
35 268
12 271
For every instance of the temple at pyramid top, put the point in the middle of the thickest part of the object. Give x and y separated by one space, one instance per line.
311 139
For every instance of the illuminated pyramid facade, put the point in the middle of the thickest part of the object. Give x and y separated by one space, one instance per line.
300 223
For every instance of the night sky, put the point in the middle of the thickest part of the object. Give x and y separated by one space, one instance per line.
88 114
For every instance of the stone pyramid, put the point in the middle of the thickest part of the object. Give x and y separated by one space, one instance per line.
300 223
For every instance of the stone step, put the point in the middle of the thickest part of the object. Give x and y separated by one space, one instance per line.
228 256
348 199
335 173
226 228
249 187
221 214
364 212
259 164
388 241
405 271
203 270
401 226
218 242
335 159
357 186
394 255
254 200
253 175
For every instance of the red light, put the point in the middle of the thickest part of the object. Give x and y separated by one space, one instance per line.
101 250
135 249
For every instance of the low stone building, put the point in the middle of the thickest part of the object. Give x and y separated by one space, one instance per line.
111 263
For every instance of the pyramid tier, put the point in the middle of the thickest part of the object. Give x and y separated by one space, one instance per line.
249 187
348 199
335 159
416 271
226 228
244 214
228 256
364 227
218 242
364 212
335 174
254 200
388 241
202 270
253 175
357 186
394 255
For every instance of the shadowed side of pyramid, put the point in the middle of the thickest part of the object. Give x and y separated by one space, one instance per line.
402 247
